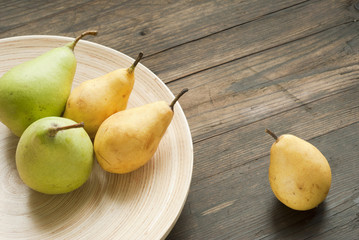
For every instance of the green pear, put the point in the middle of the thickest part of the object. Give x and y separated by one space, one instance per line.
54 155
96 99
128 139
299 174
38 88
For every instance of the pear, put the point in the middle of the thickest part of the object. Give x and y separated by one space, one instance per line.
38 88
299 174
95 100
128 139
54 155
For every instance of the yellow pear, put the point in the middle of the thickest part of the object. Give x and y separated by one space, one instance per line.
299 174
128 139
95 100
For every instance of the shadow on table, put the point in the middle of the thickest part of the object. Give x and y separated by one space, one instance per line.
288 223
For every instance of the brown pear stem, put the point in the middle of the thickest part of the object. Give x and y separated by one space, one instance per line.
138 59
53 131
73 44
178 97
272 134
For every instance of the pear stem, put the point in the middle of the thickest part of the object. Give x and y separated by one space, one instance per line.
53 131
94 33
132 68
178 97
272 134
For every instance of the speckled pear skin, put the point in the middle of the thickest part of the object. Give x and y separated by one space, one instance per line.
127 140
299 174
94 100
54 163
37 88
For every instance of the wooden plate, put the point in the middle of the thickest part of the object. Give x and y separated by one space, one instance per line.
144 204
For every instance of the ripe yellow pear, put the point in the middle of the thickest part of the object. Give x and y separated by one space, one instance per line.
128 139
299 174
95 100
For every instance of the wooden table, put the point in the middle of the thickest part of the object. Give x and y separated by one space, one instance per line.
287 65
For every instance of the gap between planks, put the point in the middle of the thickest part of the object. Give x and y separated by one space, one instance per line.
275 114
250 54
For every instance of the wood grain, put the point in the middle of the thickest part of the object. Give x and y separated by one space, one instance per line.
267 32
291 66
285 80
132 26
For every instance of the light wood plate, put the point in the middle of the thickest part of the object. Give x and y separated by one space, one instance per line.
144 204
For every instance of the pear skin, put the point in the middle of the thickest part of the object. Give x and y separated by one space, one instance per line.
95 100
128 139
37 88
299 174
54 155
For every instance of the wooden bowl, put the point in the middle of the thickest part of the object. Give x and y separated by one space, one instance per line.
144 204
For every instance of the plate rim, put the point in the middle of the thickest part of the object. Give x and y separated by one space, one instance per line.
178 111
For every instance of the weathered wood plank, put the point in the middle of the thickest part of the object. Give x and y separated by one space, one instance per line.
238 203
14 14
264 33
267 83
325 115
152 27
